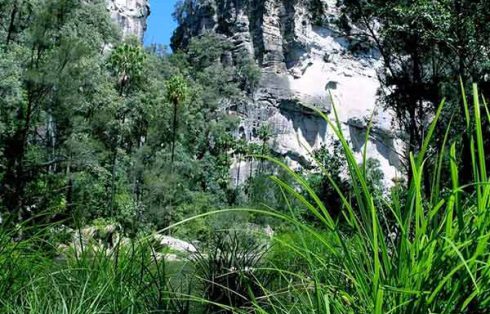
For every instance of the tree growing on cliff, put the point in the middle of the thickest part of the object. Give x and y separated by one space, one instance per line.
317 10
248 73
425 47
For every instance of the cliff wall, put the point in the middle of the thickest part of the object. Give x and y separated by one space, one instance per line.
303 57
131 15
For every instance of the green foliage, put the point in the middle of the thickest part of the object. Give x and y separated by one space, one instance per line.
434 248
57 66
176 89
176 92
248 73
127 279
317 11
206 50
88 133
425 47
139 139
127 61
329 164
230 272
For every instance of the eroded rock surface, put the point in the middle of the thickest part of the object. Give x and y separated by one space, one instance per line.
303 56
131 15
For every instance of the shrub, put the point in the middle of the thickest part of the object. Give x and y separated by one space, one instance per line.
230 272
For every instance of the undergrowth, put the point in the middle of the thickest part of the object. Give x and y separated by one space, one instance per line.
421 251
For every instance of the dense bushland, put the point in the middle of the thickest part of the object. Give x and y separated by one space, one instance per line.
101 138
422 251
139 137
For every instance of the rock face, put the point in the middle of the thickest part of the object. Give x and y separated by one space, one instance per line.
303 56
131 15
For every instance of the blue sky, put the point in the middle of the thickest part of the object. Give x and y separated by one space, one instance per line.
160 23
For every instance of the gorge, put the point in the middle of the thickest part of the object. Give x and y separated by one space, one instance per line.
285 156
303 57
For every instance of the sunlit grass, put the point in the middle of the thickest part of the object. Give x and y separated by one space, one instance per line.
421 251
432 258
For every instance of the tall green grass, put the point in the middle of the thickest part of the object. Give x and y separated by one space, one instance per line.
422 250
129 278
425 253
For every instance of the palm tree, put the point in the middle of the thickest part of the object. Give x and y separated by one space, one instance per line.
264 134
176 93
127 61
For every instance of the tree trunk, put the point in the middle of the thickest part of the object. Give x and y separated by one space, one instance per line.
113 182
238 172
174 133
69 192
14 180
11 27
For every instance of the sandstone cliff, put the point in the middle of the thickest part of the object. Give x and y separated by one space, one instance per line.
131 15
302 55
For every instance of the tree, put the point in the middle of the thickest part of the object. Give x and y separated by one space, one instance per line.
425 47
248 73
264 134
89 132
330 162
15 15
176 94
317 11
53 55
127 61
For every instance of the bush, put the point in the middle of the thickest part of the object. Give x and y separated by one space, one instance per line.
230 272
423 250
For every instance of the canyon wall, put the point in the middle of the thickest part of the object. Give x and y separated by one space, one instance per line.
303 57
305 60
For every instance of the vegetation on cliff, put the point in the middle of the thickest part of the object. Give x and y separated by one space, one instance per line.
107 149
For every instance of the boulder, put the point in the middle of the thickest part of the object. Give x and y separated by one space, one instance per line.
174 244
